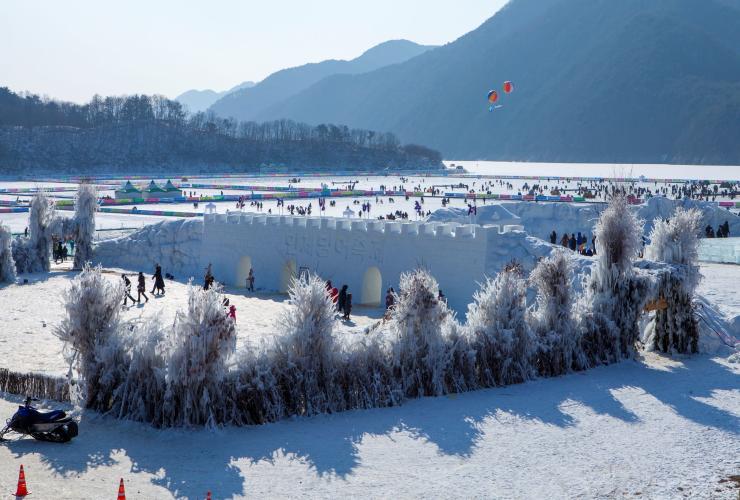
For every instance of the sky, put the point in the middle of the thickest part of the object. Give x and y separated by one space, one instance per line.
73 49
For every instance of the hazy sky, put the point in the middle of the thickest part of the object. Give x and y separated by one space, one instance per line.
72 49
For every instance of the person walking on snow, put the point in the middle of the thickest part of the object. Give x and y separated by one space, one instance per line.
232 312
127 289
141 288
158 280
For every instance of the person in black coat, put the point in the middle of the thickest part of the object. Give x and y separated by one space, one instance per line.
342 299
141 288
158 280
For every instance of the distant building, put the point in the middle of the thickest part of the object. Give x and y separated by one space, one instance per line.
129 191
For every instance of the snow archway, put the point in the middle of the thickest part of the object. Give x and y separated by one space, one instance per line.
242 271
371 287
289 272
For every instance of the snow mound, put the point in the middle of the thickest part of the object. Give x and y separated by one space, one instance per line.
712 214
540 219
718 334
489 214
174 244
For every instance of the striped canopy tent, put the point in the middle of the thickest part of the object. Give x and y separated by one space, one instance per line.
169 187
153 188
128 191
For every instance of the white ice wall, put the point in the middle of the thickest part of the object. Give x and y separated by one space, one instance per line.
724 250
368 256
346 251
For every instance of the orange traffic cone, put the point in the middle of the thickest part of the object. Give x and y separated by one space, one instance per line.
121 491
21 491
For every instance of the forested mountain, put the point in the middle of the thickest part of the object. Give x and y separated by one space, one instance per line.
248 103
595 80
151 133
201 100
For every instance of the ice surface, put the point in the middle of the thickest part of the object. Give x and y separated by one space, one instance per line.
723 250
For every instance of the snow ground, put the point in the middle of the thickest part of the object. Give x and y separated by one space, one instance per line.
721 285
653 428
19 221
28 344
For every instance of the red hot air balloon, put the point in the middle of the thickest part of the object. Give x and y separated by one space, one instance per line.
508 87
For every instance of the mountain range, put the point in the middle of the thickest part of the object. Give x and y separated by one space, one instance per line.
201 100
248 103
594 81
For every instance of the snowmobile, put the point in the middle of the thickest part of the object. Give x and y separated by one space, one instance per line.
54 426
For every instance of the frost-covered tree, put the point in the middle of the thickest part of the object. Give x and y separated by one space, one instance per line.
33 254
610 308
420 354
86 204
366 374
140 395
257 395
676 241
501 337
199 348
7 264
306 357
558 350
462 371
90 331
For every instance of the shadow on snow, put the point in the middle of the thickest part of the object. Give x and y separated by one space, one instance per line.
183 460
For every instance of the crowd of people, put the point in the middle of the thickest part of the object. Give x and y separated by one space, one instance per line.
157 288
575 242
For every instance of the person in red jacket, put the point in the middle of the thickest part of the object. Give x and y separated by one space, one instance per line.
232 312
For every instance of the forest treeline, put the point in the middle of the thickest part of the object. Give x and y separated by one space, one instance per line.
141 131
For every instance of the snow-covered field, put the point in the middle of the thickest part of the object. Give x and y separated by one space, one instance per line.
649 428
652 427
28 343
655 427
381 206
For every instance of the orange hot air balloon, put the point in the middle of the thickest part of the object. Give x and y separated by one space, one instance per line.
508 87
492 96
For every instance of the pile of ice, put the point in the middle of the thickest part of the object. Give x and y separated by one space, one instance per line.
540 219
485 215
712 214
718 334
175 245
